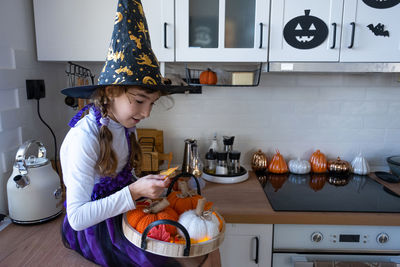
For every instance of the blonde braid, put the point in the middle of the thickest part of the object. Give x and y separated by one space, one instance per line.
107 162
136 154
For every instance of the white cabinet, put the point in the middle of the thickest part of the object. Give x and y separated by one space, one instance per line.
376 31
222 31
333 31
80 30
247 245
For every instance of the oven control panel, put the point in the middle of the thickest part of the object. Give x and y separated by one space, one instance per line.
292 237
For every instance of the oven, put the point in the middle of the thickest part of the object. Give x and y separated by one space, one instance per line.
336 245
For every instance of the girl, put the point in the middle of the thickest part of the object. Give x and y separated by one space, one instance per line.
97 157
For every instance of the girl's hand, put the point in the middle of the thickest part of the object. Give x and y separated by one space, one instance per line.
151 186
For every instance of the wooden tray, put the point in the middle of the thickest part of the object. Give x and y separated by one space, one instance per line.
171 249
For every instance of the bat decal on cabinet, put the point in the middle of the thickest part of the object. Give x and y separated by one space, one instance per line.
378 30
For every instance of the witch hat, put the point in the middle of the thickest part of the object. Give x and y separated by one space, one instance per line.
130 59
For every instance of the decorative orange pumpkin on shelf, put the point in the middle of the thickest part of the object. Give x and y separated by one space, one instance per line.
318 162
277 180
208 77
278 164
142 216
185 199
317 181
259 161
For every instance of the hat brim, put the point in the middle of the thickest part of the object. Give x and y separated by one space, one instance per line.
85 92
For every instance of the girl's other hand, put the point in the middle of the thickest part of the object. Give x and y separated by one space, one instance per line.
151 186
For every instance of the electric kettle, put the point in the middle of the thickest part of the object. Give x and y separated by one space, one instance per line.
33 189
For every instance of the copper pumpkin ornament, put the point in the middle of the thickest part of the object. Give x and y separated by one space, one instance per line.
339 166
259 161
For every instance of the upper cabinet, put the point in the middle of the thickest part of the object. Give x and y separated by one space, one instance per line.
335 30
80 30
161 22
77 30
222 30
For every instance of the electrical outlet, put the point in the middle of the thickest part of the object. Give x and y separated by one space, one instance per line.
35 89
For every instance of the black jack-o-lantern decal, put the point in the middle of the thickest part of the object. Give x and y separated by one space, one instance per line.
381 3
305 32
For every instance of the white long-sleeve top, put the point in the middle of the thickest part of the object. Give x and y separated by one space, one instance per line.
78 154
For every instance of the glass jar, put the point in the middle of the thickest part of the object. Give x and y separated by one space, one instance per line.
234 162
222 164
210 162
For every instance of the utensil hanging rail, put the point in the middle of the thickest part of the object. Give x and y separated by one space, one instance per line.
79 71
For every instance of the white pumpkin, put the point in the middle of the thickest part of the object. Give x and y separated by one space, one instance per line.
298 166
201 225
360 165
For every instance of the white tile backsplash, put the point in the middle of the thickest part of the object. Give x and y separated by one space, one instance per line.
297 113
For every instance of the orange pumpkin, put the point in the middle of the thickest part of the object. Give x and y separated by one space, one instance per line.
278 164
208 77
185 199
317 181
142 216
318 162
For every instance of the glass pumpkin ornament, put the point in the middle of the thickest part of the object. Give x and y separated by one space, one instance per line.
278 164
298 166
339 166
360 165
259 161
318 162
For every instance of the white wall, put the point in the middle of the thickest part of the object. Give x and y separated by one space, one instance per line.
18 117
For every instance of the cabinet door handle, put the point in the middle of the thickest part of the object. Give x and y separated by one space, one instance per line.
334 35
165 35
353 25
257 246
261 34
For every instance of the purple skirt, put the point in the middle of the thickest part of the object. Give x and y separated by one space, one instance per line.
106 245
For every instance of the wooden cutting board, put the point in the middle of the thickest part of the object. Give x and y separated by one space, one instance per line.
395 187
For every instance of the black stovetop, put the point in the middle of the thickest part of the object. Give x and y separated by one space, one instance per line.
326 193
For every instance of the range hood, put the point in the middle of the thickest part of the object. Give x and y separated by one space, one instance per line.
330 67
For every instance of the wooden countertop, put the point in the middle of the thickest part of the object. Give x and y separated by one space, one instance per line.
246 203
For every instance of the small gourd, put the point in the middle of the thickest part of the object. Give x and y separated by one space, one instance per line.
142 216
360 165
208 77
339 166
201 225
298 166
184 199
318 162
259 161
278 164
